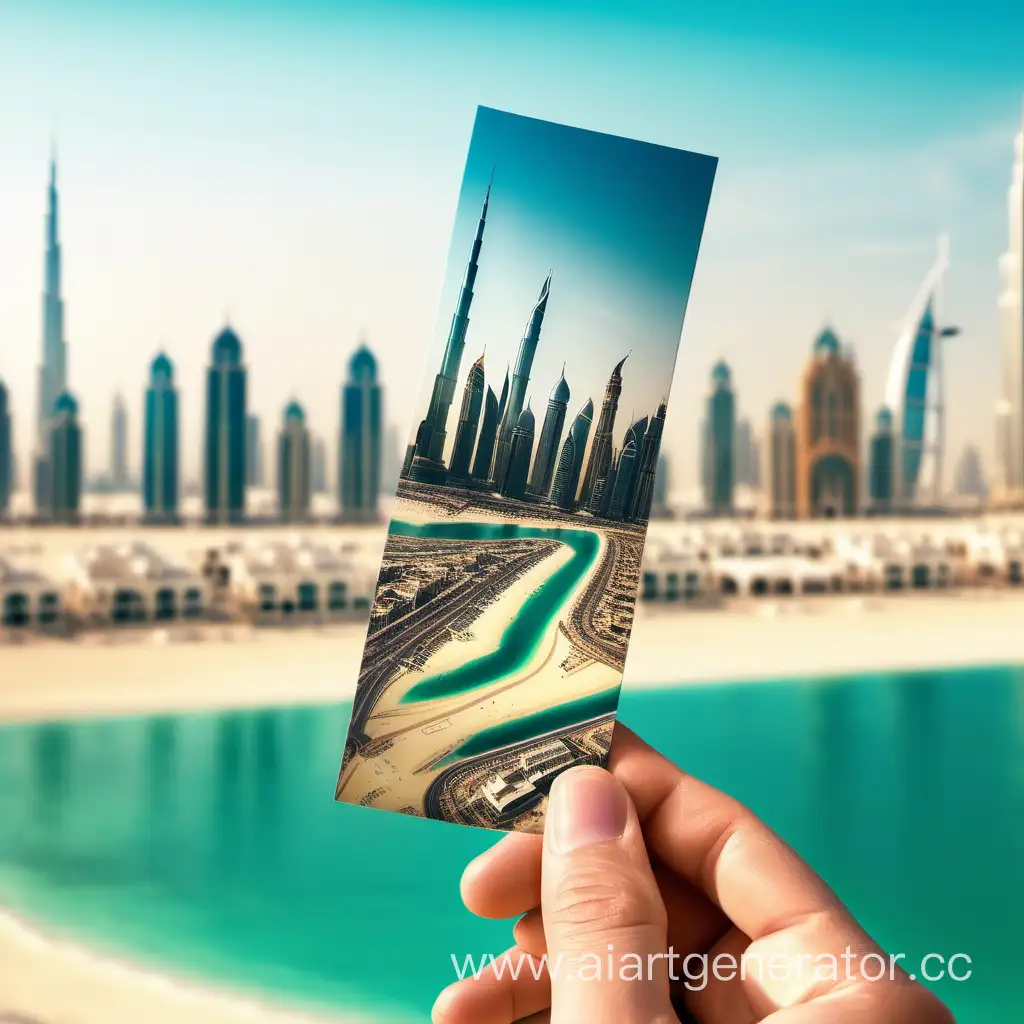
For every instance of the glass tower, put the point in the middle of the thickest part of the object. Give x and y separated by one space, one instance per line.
160 443
226 431
360 449
550 434
469 421
294 460
881 471
6 452
720 438
570 461
65 461
601 450
520 453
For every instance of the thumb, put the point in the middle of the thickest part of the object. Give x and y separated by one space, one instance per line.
604 920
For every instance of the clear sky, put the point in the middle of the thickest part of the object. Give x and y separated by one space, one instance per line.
616 221
297 165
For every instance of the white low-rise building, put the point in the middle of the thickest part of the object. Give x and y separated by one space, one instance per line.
28 599
121 584
283 579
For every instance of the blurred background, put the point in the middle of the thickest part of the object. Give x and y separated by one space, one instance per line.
255 200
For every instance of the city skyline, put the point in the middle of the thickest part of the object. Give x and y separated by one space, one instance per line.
911 152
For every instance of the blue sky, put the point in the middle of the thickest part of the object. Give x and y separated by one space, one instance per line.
298 165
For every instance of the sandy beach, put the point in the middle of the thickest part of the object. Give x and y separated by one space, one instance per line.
58 983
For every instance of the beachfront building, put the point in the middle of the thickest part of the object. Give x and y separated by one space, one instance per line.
1011 306
718 453
570 460
881 469
915 394
64 461
297 579
889 561
293 466
469 422
160 478
360 441
28 600
543 472
6 452
124 584
675 572
227 431
782 463
828 433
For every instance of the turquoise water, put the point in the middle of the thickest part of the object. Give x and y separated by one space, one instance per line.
212 843
524 633
540 722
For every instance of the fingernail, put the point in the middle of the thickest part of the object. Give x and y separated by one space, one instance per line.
588 805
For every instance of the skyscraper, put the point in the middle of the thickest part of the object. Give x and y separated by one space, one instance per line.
469 421
359 451
319 467
119 444
520 453
65 461
969 480
648 468
660 508
623 494
253 451
570 461
746 455
226 431
782 463
428 464
53 367
488 433
160 458
881 471
828 463
601 500
720 438
293 466
550 435
1011 305
520 382
6 453
601 449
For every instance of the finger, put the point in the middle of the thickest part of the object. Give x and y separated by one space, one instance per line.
528 932
720 846
903 1002
714 987
504 881
513 988
603 917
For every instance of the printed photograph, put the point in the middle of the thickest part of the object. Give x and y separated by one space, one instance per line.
500 624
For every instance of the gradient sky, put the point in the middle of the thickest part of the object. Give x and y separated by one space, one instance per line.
618 224
298 165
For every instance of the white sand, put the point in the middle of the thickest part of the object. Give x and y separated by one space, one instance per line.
62 984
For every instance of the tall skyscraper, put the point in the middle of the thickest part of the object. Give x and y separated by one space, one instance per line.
160 473
601 449
550 435
782 463
720 438
620 504
828 463
570 461
601 500
428 464
520 382
520 453
53 367
6 452
390 459
65 461
119 477
882 469
253 451
359 451
1011 305
319 468
226 431
660 508
294 452
746 473
648 469
969 480
488 434
469 421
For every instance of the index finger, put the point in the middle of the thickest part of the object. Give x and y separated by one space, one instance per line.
719 845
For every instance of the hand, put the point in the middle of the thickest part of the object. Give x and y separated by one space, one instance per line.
722 884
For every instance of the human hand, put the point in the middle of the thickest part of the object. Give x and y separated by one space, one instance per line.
599 919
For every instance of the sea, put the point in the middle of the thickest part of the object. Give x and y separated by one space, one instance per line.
209 846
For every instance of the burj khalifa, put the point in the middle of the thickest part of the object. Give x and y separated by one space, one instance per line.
53 368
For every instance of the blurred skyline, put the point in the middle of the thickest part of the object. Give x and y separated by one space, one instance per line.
296 167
